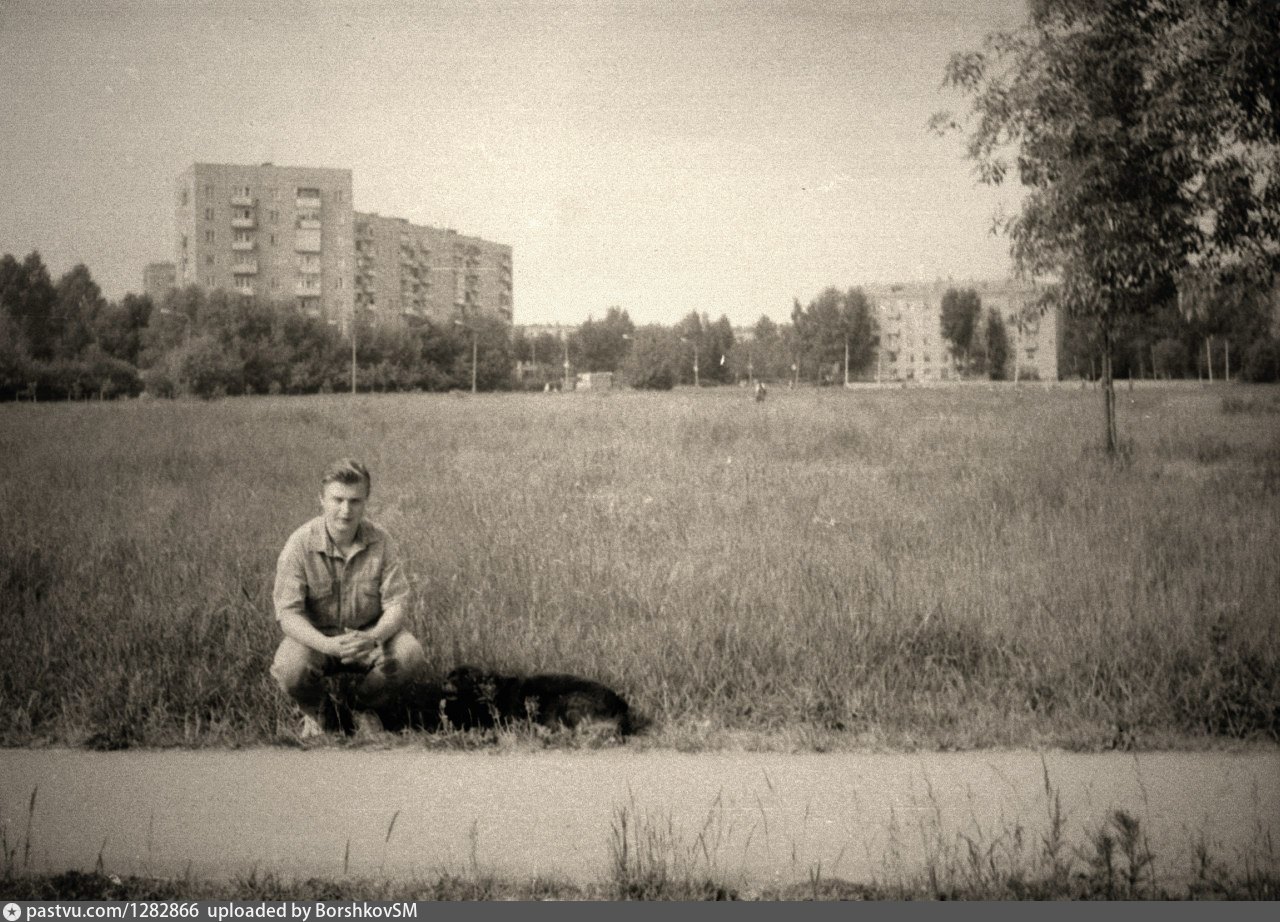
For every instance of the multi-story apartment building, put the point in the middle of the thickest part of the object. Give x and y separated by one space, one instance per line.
274 232
406 270
158 279
912 347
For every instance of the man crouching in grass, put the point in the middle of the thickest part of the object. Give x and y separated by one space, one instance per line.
341 597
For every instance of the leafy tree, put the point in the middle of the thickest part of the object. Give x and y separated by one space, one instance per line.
78 304
1229 306
1168 358
691 332
493 357
995 349
1262 361
603 344
29 299
1146 134
119 326
961 311
769 355
718 343
834 325
15 363
201 367
652 362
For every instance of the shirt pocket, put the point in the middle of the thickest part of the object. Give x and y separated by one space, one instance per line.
322 600
367 601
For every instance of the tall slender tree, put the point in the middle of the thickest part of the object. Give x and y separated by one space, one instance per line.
1147 134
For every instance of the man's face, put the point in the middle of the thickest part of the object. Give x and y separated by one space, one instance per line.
343 505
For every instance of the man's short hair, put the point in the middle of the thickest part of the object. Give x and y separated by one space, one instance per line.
348 471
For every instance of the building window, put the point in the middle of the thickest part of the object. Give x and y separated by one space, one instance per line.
275 282
244 214
208 214
208 191
182 196
243 236
184 241
339 282
209 236
242 191
208 260
273 216
272 238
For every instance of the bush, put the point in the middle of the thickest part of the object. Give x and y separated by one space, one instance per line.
651 363
202 368
1169 358
1262 361
157 382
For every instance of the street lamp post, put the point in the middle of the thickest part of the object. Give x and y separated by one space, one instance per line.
694 343
353 350
474 350
565 340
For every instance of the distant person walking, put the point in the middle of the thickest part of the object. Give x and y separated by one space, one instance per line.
760 391
341 598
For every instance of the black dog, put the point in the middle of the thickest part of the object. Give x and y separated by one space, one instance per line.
483 699
421 705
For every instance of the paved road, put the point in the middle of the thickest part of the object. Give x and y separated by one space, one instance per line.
758 817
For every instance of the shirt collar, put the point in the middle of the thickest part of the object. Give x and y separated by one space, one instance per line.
318 539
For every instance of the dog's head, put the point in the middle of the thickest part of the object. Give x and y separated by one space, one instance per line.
470 683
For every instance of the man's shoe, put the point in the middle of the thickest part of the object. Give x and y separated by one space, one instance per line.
367 723
311 728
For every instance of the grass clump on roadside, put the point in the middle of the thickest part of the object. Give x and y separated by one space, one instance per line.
647 862
946 567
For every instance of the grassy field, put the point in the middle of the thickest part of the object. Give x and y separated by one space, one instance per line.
939 567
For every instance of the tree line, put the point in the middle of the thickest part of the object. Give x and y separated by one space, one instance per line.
64 340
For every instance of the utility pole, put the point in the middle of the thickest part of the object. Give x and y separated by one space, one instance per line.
473 360
564 339
353 349
846 361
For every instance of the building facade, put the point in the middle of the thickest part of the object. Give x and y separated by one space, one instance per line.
158 279
412 271
912 347
276 233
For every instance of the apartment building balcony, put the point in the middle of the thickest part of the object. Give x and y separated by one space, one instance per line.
243 246
304 290
243 223
308 201
245 267
308 223
244 201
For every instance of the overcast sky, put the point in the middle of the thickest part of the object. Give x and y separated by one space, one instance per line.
661 156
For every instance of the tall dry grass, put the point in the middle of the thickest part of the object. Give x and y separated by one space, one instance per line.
948 566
